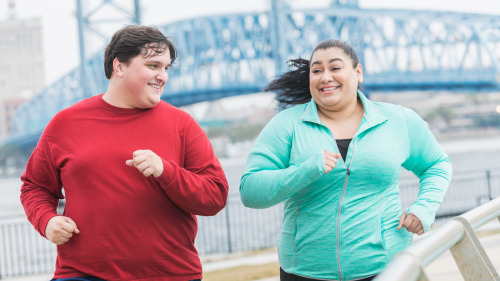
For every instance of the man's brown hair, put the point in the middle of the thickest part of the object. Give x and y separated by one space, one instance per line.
133 40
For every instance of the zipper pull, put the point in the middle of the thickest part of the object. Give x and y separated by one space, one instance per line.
348 172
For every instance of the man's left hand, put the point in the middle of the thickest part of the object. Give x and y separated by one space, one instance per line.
147 162
411 223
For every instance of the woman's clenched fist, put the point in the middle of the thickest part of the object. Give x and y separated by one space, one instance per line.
330 160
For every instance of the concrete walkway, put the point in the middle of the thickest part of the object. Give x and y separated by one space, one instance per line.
248 260
442 269
207 266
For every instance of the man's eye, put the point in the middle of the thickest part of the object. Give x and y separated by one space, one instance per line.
153 66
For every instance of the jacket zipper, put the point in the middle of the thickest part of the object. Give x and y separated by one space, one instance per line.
340 204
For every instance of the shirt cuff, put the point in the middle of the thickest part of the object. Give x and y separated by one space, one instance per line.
424 227
168 173
43 221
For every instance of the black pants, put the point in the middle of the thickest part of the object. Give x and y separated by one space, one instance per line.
292 277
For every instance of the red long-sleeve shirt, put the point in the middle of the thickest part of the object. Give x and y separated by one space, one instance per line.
132 227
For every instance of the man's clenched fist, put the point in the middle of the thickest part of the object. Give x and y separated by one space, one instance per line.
411 223
60 229
147 162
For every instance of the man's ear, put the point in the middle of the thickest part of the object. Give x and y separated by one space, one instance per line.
359 72
118 67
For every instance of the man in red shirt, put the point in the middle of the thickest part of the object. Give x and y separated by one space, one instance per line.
135 170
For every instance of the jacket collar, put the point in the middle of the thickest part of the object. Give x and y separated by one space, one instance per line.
371 117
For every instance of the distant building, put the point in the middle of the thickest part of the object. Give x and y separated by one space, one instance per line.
9 107
21 66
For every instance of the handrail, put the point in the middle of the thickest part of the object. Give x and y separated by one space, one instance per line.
459 237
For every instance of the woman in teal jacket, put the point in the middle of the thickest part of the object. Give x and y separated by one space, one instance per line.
335 160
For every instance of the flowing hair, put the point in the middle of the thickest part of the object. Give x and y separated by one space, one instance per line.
293 86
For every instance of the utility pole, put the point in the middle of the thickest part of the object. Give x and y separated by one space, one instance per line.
278 37
83 60
88 25
11 13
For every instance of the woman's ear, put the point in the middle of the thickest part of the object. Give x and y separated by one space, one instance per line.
359 73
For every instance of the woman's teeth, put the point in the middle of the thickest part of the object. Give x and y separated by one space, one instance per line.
154 86
330 89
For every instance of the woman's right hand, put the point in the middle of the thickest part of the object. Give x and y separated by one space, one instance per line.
330 160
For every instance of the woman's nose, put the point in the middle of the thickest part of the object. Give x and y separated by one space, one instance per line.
327 77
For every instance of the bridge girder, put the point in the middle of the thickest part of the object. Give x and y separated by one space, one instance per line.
229 55
400 49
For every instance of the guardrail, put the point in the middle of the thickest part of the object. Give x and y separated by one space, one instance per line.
458 236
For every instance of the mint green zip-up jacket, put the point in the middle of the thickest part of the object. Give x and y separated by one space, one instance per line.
343 225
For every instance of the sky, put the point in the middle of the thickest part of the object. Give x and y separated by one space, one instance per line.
60 34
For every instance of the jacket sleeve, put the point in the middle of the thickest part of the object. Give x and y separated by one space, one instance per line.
41 188
431 165
268 178
199 186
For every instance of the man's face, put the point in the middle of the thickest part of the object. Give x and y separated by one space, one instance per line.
145 78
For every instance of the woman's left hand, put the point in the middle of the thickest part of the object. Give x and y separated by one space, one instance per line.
411 223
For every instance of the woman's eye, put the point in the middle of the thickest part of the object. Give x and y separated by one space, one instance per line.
316 71
336 68
153 66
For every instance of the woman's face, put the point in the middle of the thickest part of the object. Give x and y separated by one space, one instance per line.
333 81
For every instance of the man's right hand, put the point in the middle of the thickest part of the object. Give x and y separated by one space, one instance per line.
330 160
60 229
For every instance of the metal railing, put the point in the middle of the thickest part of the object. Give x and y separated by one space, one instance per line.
23 251
236 228
468 190
458 236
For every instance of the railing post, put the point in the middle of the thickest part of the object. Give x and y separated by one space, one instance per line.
1 254
2 237
488 178
471 257
228 226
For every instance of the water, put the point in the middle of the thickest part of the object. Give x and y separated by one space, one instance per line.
466 155
10 203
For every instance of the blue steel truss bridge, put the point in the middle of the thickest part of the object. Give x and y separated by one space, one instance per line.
238 54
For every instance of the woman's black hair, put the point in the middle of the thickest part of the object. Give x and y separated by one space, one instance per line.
293 86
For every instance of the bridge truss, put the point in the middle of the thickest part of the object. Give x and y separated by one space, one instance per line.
229 55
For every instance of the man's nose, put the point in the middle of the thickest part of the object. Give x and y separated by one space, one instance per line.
162 76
